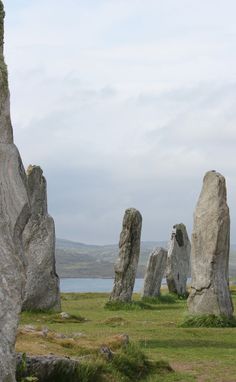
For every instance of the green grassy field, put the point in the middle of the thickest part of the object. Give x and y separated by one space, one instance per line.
195 354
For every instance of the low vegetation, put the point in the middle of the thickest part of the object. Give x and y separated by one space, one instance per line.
144 341
208 321
133 305
128 363
162 299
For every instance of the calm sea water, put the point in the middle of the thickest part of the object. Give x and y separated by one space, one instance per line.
93 285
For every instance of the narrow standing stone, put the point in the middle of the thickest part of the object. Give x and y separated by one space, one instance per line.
15 211
6 132
42 285
127 264
178 260
210 250
155 271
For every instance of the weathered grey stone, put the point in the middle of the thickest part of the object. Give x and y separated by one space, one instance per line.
178 260
14 213
126 266
42 285
210 250
6 133
47 368
155 271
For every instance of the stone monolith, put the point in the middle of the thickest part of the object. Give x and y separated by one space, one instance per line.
42 285
178 260
15 211
210 250
154 274
129 250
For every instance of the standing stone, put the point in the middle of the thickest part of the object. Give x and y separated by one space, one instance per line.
210 250
14 214
6 132
42 285
127 264
155 271
178 260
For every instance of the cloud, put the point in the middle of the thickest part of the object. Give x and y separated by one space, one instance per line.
123 103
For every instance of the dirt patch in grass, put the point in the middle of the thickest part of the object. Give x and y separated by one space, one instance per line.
42 341
202 371
183 367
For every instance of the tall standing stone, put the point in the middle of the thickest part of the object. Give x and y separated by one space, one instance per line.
178 260
6 132
14 214
42 285
210 250
155 271
127 264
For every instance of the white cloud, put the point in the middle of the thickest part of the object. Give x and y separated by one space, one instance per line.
123 103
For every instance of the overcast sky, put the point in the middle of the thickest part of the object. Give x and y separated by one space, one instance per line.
124 103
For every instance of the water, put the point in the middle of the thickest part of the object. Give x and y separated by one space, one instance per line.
93 285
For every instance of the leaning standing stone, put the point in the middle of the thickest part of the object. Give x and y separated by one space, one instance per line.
42 285
178 260
14 214
126 266
155 272
210 250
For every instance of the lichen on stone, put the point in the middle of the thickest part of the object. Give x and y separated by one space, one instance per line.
2 15
3 66
3 75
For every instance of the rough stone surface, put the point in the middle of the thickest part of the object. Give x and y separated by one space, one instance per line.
6 133
210 250
42 285
178 260
14 214
126 266
155 271
47 368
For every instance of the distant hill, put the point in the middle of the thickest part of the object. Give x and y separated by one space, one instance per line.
75 259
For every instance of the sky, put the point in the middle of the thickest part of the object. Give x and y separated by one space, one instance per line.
124 103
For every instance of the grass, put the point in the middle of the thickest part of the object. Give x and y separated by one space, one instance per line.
133 305
194 353
162 299
89 372
52 317
208 321
127 364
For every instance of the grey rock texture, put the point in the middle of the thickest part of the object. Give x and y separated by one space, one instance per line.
210 250
155 271
178 260
42 285
129 250
6 133
47 368
15 211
